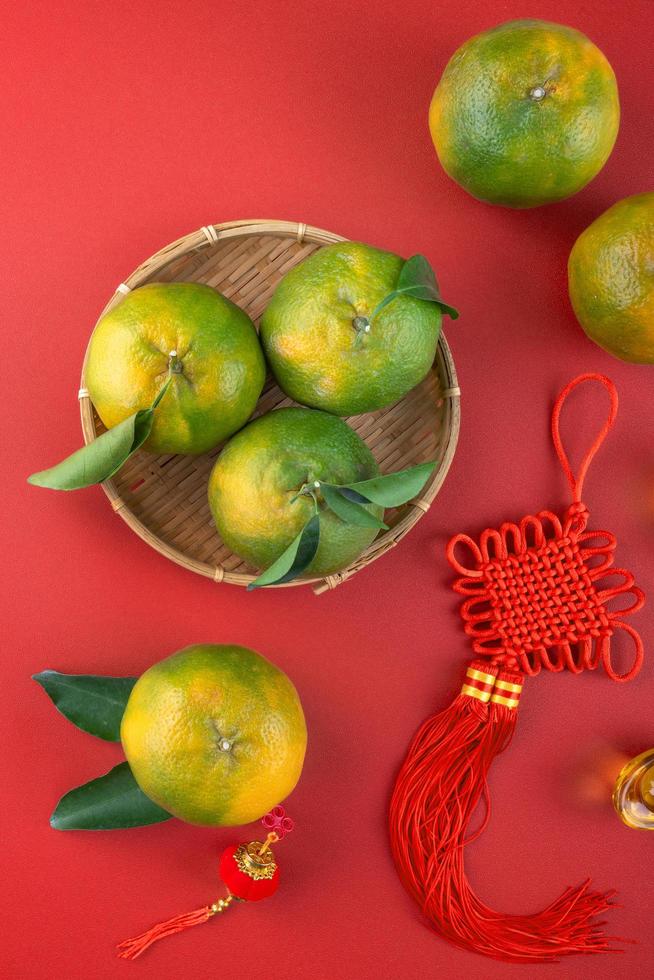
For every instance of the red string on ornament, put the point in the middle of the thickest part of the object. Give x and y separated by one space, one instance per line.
534 600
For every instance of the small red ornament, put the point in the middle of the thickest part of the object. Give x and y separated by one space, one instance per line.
250 873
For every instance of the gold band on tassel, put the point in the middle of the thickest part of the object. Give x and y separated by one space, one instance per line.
489 688
499 697
475 692
478 675
507 686
479 680
507 702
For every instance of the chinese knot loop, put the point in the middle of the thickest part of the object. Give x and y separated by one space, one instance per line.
576 483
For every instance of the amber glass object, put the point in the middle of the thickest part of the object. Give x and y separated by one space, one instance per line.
633 795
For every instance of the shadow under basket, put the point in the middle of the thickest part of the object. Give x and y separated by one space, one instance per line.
164 498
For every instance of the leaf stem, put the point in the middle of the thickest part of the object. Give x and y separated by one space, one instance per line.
163 391
380 306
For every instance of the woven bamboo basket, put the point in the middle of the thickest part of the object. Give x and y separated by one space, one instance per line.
164 498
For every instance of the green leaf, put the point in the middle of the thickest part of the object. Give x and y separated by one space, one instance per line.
292 562
417 279
350 511
353 495
111 802
104 456
394 488
93 703
101 458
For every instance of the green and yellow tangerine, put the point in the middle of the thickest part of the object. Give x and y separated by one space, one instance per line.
215 734
325 347
254 487
611 279
525 114
188 331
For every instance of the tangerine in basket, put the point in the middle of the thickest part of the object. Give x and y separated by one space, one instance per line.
215 734
325 347
254 487
188 330
525 113
611 279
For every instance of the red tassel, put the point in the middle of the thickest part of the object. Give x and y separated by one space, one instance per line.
442 781
437 787
131 948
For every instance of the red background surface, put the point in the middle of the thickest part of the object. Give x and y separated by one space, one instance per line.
128 124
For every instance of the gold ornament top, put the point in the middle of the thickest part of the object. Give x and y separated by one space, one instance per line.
254 861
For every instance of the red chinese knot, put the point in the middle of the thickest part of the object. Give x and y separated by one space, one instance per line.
537 595
533 591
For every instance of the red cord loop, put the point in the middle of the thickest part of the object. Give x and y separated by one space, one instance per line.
577 482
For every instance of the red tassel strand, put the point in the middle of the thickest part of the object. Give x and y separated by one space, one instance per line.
131 948
534 599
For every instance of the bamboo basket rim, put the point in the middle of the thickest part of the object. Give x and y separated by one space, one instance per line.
301 232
